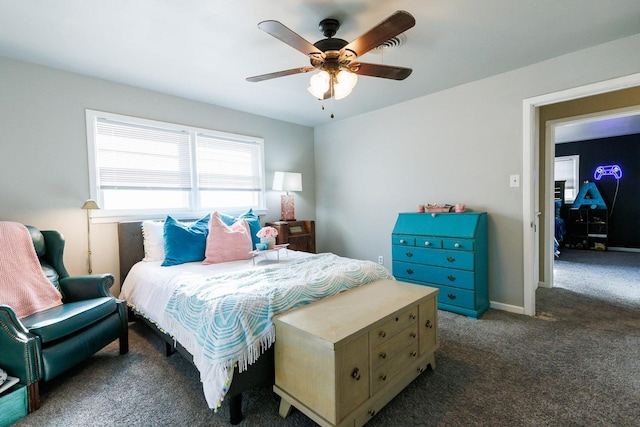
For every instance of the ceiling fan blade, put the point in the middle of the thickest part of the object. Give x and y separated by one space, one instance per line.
284 34
280 74
377 70
395 24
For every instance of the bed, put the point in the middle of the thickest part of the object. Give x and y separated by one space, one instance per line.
560 225
170 301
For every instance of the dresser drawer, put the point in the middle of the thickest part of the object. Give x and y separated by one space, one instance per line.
431 274
457 297
442 258
429 242
392 347
458 244
404 240
391 327
388 372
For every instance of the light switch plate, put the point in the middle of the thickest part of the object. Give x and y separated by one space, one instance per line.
514 180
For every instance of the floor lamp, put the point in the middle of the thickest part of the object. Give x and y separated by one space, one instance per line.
89 205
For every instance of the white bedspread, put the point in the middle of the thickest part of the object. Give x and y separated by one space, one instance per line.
162 293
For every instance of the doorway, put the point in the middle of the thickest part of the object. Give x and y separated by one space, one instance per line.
538 158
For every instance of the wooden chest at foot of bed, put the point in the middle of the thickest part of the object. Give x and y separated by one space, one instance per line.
341 359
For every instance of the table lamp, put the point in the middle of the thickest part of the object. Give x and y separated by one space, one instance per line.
287 181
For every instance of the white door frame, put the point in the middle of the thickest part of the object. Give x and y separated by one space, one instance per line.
530 175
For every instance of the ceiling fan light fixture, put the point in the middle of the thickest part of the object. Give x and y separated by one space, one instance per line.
345 82
319 84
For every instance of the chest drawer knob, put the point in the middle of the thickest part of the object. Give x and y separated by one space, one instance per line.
382 334
409 271
451 278
402 241
451 296
413 353
450 259
412 335
355 374
383 377
457 245
409 254
372 412
412 316
427 243
382 355
428 324
421 369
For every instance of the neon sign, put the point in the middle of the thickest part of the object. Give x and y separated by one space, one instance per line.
604 170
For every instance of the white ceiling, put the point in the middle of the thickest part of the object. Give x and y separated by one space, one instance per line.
599 127
204 50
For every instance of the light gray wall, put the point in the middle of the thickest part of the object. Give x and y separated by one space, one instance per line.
43 151
457 146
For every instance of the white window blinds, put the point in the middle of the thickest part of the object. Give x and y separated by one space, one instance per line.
225 164
139 166
137 157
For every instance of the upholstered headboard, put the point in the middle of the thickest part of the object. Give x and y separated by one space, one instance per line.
131 246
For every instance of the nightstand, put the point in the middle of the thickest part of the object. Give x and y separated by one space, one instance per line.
300 235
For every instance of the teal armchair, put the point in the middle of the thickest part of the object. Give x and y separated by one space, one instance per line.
45 344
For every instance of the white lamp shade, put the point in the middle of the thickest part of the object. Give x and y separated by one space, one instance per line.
319 84
346 83
287 181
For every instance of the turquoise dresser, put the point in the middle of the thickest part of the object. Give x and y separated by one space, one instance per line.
447 251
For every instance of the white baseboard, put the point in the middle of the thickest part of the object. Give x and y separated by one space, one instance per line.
506 307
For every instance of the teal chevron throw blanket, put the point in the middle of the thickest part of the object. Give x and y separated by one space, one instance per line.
227 318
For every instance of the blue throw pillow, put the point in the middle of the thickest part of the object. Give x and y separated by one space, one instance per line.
254 225
184 242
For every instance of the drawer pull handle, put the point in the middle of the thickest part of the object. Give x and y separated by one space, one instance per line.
382 355
355 374
450 259
413 354
409 271
428 324
402 241
451 296
382 334
397 318
383 377
412 335
421 369
412 316
427 243
372 412
457 245
451 278
409 254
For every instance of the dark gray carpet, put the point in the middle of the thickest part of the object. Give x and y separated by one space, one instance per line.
575 364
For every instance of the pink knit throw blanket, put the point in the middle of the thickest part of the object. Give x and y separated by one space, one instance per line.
23 285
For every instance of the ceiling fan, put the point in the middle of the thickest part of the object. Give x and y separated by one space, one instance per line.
334 57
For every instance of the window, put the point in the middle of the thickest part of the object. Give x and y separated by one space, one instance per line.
567 169
141 167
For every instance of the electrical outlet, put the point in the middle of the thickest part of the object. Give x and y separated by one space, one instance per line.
380 259
514 180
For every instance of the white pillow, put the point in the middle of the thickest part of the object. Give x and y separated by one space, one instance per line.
153 239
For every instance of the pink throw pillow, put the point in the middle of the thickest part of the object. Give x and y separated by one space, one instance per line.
227 243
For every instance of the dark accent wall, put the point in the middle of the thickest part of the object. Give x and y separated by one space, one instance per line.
624 221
